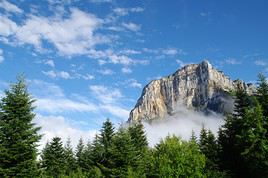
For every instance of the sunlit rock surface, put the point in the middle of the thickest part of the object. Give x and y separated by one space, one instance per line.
197 86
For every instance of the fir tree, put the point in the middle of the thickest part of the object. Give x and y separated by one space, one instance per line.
255 143
262 94
18 134
53 158
124 155
138 136
79 153
102 148
69 158
230 149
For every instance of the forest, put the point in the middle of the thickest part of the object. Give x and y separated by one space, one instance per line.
239 150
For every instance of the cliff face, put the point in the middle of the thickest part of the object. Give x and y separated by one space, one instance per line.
197 86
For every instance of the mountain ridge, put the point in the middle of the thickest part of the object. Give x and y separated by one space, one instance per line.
197 86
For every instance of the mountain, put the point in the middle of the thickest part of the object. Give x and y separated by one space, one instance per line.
197 86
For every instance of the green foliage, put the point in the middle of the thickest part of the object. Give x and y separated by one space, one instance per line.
123 153
79 152
176 158
253 137
53 158
262 93
18 134
69 157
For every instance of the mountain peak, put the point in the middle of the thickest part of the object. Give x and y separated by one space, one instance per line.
196 86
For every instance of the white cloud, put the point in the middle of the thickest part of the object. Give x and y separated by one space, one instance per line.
10 7
60 105
131 26
101 1
57 74
50 63
129 52
134 83
125 11
182 124
260 62
52 126
88 77
74 35
50 98
7 26
108 99
51 90
232 61
182 63
106 72
104 94
116 111
173 51
205 14
110 57
1 56
126 70
170 51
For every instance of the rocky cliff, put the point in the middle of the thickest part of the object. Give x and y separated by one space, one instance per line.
197 86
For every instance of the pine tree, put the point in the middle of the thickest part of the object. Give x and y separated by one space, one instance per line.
102 148
124 155
230 149
203 139
18 133
53 158
87 157
69 158
255 143
138 136
262 94
193 137
79 153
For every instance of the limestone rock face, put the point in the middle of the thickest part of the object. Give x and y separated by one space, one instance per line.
197 86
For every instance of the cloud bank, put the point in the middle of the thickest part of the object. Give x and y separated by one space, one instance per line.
182 124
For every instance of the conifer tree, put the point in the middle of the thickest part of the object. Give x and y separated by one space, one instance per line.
230 149
138 136
255 143
262 93
69 158
18 133
79 153
124 155
53 158
203 139
102 148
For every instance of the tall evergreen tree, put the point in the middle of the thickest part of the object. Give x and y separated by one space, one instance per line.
230 149
79 153
262 94
69 156
102 148
140 146
123 155
53 158
255 143
18 133
138 136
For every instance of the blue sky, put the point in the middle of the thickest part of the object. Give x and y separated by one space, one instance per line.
86 60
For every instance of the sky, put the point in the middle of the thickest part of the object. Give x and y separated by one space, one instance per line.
88 60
